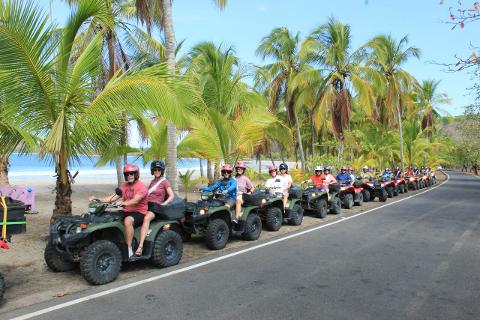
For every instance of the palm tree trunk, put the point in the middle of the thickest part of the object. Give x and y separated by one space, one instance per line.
259 161
118 166
4 169
299 139
201 167
209 171
400 132
216 171
169 33
63 197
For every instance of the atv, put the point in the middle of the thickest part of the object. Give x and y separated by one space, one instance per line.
272 210
374 189
96 242
319 202
350 194
212 219
401 185
390 187
412 182
427 181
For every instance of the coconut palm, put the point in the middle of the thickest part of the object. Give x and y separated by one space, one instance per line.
56 98
388 55
159 13
276 78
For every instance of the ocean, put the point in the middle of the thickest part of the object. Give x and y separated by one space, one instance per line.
32 167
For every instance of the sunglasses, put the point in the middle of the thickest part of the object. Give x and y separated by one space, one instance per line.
130 174
224 171
157 169
283 169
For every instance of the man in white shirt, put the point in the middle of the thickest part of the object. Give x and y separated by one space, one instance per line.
279 183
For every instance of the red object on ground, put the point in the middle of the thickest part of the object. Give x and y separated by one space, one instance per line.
4 245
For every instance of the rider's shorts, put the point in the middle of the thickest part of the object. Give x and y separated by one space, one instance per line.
137 218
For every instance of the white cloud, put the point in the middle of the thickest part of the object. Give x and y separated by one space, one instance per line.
262 8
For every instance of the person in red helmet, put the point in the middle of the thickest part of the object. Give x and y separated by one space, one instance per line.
344 176
133 199
279 183
244 185
227 185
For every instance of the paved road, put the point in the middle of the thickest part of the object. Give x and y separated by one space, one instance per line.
418 259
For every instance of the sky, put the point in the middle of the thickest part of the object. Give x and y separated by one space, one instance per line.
243 23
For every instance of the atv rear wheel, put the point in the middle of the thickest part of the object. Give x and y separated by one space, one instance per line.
320 208
366 195
401 188
55 261
273 218
348 201
336 206
359 199
296 215
2 286
167 249
101 262
253 227
217 234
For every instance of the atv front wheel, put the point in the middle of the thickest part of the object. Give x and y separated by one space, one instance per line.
348 201
336 206
366 195
359 200
320 208
395 191
383 196
296 215
390 191
401 188
55 261
217 234
253 227
101 262
167 249
273 219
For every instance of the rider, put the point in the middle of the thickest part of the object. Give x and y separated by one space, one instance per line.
351 172
133 200
160 193
279 184
366 174
387 174
318 178
287 181
244 185
410 171
329 178
227 185
415 171
344 176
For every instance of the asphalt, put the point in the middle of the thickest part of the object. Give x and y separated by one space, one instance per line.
416 259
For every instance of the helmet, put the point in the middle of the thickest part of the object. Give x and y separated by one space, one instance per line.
327 168
240 164
157 164
387 169
318 168
350 168
283 165
344 168
227 167
365 168
131 168
272 168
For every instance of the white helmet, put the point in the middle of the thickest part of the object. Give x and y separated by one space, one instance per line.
318 168
365 168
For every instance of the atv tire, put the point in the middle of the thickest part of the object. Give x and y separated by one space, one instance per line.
253 227
273 218
101 262
216 235
167 249
55 261
295 216
383 196
336 206
366 195
359 200
401 188
2 287
395 191
348 201
389 191
320 208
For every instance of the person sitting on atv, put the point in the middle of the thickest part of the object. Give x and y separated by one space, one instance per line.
366 175
410 171
133 201
279 184
387 174
351 173
159 194
318 179
344 176
329 178
397 174
244 185
227 185
415 171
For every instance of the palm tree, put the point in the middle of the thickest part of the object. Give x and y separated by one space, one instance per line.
330 46
159 13
57 99
276 78
388 55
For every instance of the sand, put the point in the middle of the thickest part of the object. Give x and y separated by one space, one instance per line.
29 281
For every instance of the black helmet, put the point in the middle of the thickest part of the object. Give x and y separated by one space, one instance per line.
283 166
157 164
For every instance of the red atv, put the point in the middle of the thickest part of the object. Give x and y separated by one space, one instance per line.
412 182
373 189
401 185
350 195
390 187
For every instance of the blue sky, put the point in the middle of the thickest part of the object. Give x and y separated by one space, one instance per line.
244 22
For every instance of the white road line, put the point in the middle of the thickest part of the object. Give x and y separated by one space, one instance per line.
201 264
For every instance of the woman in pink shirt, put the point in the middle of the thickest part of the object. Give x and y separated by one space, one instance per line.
244 185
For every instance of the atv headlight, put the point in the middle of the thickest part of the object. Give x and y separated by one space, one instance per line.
79 230
264 201
202 211
314 194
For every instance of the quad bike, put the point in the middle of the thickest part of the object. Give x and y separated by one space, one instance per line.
401 185
427 181
390 187
320 202
13 217
374 189
273 212
215 221
96 242
350 194
412 183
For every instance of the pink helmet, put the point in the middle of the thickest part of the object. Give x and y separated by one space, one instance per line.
131 168
350 168
344 168
227 167
240 164
272 168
